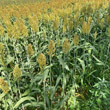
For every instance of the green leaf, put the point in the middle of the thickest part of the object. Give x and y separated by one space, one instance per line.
82 64
63 63
28 98
98 61
58 80
25 93
2 95
62 101
98 101
34 104
9 60
45 74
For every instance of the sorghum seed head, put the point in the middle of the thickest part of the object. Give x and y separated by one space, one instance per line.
51 48
17 72
30 50
76 39
41 60
1 47
66 46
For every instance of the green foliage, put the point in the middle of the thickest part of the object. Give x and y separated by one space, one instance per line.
76 80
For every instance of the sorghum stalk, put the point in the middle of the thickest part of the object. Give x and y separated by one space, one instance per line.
51 53
42 63
65 48
15 51
50 82
63 78
44 96
20 93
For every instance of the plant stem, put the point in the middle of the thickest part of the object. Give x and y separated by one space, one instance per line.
44 96
63 78
50 74
20 94
50 84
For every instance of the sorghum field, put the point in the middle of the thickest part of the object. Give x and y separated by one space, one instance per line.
54 55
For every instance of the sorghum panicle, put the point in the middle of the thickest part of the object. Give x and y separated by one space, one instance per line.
95 35
66 46
30 50
1 48
76 39
4 86
41 60
51 48
17 72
